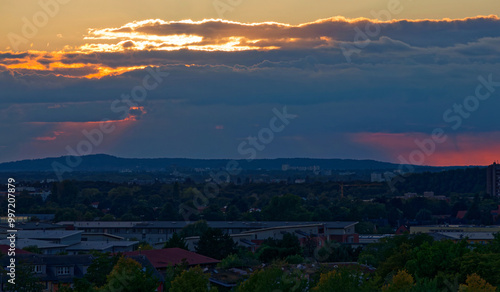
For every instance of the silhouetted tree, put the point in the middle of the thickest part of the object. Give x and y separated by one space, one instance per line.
215 244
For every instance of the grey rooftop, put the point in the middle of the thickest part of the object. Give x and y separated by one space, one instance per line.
213 224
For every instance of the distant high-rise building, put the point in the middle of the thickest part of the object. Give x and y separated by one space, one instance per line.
428 194
493 180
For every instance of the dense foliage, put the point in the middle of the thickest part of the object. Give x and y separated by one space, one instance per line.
376 206
215 244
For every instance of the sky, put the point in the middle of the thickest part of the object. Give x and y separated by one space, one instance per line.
400 81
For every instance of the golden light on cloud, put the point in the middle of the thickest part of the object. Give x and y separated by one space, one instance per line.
211 35
179 39
51 63
148 35
108 71
28 63
218 34
57 65
174 43
135 112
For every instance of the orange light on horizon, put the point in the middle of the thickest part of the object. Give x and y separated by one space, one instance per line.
461 149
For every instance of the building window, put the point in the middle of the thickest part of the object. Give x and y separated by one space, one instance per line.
37 269
62 270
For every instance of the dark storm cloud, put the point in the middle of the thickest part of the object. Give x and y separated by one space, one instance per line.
421 33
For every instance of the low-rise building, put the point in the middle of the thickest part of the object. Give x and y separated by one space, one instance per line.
45 247
63 237
71 241
454 228
55 271
470 237
158 232
342 232
168 257
102 246
373 238
30 225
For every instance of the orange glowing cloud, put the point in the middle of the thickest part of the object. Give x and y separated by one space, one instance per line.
49 138
134 114
51 63
45 138
216 35
225 35
148 35
102 134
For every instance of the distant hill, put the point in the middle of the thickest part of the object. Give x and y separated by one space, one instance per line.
102 162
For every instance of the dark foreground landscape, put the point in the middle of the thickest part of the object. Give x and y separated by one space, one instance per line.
287 228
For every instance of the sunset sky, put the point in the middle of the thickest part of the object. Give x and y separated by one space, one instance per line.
364 79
